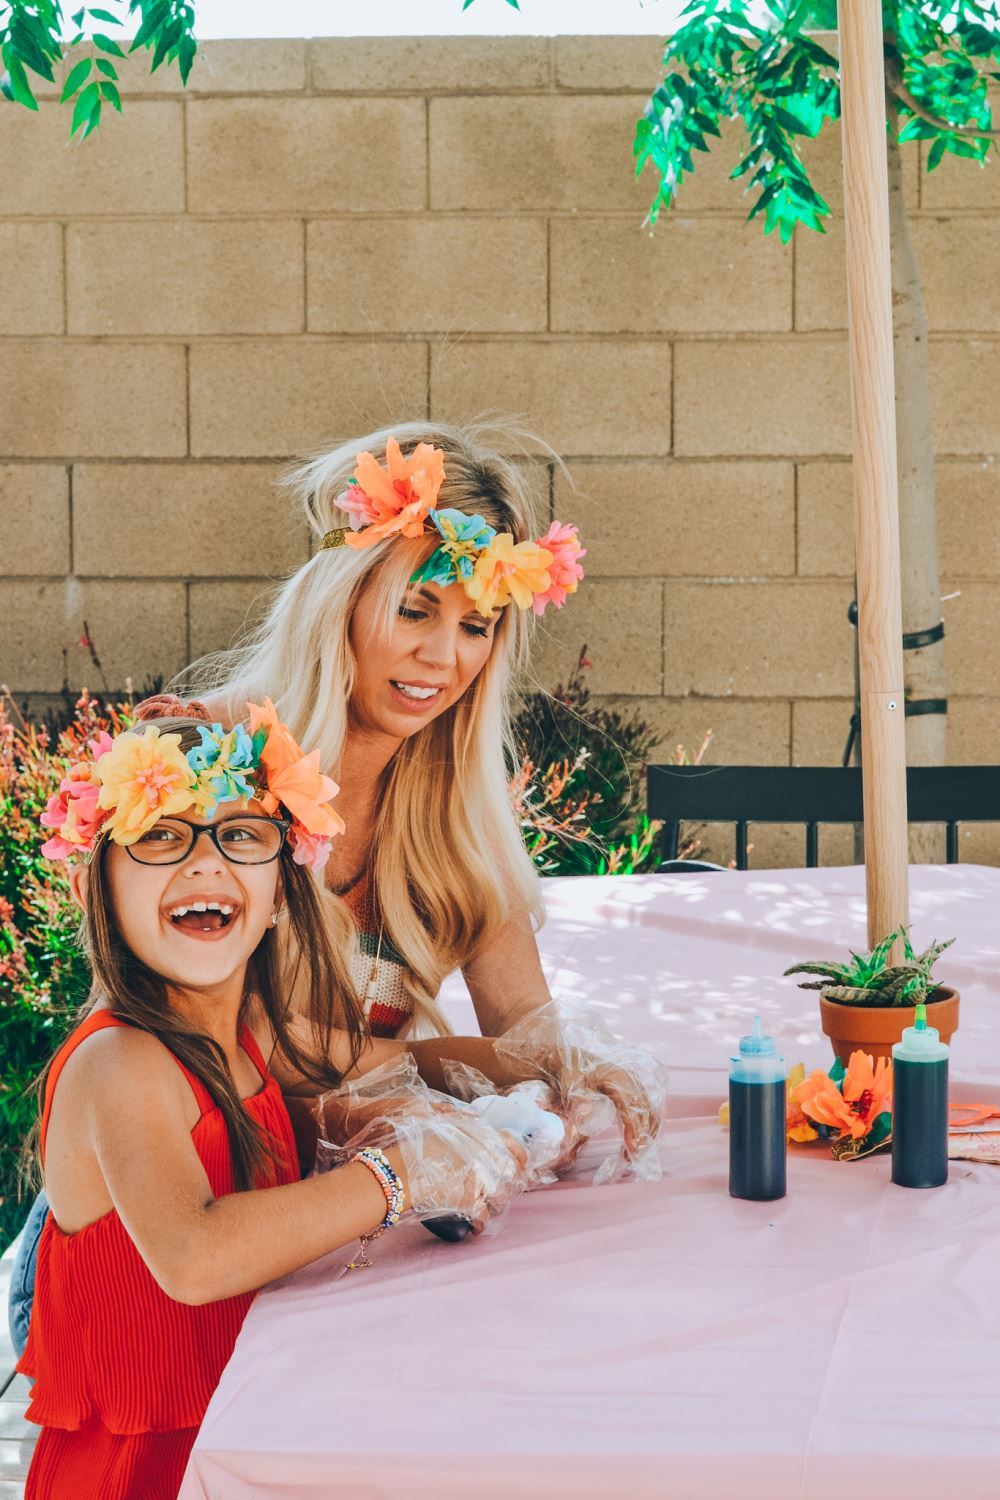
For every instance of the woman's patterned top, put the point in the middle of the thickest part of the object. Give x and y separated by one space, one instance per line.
388 1006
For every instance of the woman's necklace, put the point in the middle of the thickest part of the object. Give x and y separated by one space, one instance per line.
373 976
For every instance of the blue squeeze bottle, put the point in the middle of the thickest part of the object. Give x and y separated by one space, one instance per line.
757 1118
920 1106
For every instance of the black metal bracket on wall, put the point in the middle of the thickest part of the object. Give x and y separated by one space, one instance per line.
913 708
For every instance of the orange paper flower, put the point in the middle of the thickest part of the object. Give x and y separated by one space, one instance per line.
394 500
867 1093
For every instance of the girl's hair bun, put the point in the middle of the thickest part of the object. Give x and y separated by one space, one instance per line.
166 706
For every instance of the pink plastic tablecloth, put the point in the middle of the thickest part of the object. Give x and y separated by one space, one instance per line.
663 1341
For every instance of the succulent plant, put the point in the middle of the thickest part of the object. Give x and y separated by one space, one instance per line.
870 980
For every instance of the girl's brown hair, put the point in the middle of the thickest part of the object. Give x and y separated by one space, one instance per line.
133 992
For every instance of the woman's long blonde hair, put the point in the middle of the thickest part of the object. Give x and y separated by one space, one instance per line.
450 865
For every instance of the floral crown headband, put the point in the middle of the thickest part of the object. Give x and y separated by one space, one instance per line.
134 779
399 500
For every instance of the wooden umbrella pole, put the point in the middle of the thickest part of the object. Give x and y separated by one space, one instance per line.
876 503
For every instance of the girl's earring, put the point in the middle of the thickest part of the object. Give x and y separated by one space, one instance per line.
274 919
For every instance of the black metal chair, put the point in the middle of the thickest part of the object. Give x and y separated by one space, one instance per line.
811 795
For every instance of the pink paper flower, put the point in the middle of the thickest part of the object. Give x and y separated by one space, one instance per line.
563 543
309 848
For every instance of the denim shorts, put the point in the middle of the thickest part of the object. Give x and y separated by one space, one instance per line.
22 1280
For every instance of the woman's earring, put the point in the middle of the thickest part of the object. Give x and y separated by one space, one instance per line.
274 919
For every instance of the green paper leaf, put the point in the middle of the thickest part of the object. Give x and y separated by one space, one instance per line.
106 15
106 44
75 77
87 102
837 1072
20 88
110 92
106 67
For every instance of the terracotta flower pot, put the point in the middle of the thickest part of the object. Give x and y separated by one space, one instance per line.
876 1028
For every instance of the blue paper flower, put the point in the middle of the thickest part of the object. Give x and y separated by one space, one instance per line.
462 539
220 761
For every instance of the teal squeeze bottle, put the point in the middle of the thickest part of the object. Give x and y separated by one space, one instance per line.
757 1118
920 1106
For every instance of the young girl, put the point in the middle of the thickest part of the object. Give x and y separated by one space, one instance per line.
168 1154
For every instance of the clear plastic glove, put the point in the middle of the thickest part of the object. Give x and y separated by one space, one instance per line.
570 1048
454 1162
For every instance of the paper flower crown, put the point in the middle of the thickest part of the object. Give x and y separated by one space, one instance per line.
134 779
399 500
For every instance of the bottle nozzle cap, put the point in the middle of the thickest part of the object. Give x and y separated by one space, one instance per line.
757 1044
920 1018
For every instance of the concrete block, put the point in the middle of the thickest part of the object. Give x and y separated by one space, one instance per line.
972 623
314 155
961 183
973 729
965 374
608 64
222 613
185 277
241 65
138 630
429 64
744 731
819 729
750 399
757 640
32 259
621 632
225 520
958 260
432 275
34 505
282 397
100 400
138 169
561 152
688 276
968 516
673 519
583 397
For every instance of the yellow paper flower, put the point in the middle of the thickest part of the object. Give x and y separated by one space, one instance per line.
144 777
506 571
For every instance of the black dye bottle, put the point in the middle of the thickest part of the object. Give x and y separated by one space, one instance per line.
920 1106
757 1118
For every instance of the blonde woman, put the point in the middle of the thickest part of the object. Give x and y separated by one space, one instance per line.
394 653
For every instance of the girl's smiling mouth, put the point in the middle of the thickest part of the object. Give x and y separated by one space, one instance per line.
203 917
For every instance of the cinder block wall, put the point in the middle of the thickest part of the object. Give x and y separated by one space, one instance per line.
321 237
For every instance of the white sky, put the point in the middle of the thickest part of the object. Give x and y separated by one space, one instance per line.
233 18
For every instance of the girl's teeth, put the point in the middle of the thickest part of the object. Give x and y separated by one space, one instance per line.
415 692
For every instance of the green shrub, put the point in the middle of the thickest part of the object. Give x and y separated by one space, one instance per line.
581 787
44 978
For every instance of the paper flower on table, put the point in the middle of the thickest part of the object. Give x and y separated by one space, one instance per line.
394 500
224 763
507 571
856 1102
797 1127
463 538
563 545
144 777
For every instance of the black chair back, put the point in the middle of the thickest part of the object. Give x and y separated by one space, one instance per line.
811 795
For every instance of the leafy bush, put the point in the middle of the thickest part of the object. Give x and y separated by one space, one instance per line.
44 977
580 789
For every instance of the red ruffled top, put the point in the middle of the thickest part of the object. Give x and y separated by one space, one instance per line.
105 1340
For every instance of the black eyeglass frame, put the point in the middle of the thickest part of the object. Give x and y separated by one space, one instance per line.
212 829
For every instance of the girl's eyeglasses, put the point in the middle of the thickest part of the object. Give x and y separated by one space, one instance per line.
243 841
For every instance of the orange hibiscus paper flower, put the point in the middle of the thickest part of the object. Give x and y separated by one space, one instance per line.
852 1109
394 500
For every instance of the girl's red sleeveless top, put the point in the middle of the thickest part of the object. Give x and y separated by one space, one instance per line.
105 1340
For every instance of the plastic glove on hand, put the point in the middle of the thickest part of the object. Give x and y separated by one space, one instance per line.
573 1050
